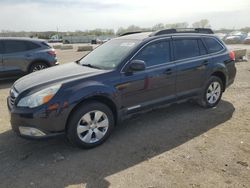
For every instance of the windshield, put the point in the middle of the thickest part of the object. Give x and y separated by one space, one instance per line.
110 54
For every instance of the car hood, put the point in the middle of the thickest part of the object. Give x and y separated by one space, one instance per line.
58 74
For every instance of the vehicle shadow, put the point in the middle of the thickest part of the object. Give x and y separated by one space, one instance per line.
4 84
54 163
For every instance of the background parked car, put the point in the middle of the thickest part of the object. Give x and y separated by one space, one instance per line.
235 37
55 39
221 35
20 56
247 39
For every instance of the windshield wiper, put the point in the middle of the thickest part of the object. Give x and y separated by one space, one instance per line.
91 66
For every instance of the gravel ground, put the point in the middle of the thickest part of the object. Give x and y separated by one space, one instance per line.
179 146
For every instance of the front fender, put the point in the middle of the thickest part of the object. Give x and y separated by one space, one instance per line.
80 92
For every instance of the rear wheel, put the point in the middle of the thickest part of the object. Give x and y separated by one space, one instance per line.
90 125
38 66
212 93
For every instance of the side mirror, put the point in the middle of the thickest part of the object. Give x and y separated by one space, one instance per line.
137 65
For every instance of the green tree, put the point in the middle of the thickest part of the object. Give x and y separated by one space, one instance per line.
158 26
204 23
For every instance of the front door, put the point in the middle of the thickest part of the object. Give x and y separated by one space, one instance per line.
156 83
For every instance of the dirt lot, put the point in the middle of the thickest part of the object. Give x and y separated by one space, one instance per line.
179 146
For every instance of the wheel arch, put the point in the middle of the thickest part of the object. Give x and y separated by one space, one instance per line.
37 61
96 98
222 76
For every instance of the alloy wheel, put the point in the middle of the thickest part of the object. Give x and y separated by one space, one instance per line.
213 92
38 67
92 126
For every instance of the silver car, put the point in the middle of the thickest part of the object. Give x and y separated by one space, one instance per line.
19 56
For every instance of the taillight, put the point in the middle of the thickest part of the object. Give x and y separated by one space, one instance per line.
232 55
52 52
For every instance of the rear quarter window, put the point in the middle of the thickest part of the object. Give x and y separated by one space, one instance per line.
46 44
212 45
32 45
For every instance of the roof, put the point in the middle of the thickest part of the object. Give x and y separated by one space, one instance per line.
136 36
146 35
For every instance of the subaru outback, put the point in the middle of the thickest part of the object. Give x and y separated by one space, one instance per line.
131 73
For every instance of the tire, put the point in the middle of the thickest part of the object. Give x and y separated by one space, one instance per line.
90 125
37 66
211 94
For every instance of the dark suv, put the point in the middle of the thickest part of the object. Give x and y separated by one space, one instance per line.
19 56
87 98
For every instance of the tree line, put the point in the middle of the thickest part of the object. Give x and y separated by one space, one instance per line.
203 23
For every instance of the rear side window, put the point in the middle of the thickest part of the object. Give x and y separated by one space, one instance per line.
12 46
212 45
186 48
203 50
1 47
155 53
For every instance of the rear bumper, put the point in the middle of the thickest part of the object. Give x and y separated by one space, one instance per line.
231 73
54 63
230 82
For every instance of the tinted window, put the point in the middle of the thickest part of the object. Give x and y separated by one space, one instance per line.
212 45
31 45
1 48
186 48
14 46
155 53
203 50
45 44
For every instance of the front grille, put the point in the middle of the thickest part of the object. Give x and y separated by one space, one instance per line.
13 96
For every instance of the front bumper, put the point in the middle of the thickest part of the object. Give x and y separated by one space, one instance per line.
48 123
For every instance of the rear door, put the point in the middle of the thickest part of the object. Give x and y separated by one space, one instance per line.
191 64
15 59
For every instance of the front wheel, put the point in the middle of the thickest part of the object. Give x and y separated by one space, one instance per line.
90 125
212 93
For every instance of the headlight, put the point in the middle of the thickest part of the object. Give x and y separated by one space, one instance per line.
39 98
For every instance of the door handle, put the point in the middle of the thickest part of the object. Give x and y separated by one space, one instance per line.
168 71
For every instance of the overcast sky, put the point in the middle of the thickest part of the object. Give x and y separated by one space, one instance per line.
71 15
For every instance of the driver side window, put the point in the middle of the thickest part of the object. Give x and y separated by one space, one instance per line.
155 53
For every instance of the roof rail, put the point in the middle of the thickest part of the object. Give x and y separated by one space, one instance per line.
129 33
183 30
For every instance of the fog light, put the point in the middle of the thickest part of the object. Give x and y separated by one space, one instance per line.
30 131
